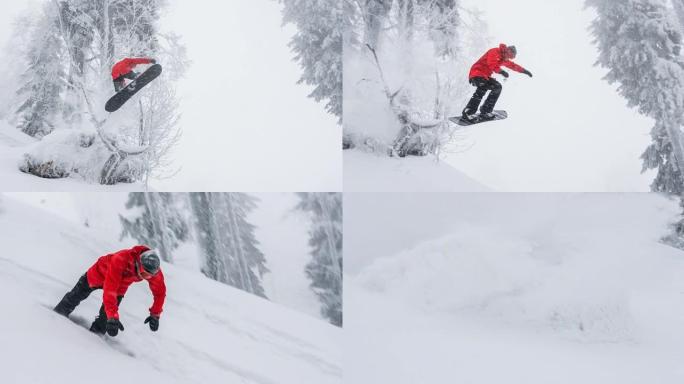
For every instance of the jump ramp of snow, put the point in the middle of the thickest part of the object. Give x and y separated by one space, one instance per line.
366 172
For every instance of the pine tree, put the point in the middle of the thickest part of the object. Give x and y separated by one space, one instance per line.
679 10
214 265
155 221
325 268
43 82
318 47
639 42
229 248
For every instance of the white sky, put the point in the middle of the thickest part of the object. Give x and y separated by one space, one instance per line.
568 130
247 125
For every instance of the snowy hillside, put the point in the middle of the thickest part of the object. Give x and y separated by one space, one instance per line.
366 172
521 289
209 332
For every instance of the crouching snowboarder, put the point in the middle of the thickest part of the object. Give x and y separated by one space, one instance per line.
124 70
114 273
481 77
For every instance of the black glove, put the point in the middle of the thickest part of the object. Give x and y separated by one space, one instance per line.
153 61
503 73
113 327
154 322
528 73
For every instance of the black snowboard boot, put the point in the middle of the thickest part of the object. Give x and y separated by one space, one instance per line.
99 326
484 116
469 115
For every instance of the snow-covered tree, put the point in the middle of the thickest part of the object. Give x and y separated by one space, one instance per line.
156 220
679 10
415 48
81 40
317 45
325 268
229 249
640 44
43 82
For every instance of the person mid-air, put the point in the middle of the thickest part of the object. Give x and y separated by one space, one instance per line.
481 77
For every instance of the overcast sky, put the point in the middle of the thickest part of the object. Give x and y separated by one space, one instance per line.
247 125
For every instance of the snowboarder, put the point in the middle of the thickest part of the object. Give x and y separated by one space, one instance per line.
481 77
124 70
114 273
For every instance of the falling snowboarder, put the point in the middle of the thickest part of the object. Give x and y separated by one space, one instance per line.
123 70
114 273
481 77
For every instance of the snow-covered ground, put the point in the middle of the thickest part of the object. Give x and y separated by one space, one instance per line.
367 172
514 288
14 144
209 333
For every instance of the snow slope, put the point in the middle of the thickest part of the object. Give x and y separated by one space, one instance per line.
534 289
209 333
366 172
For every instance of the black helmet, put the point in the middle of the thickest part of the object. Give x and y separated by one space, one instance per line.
512 50
149 261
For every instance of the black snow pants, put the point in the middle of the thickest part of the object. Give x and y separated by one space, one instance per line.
73 298
483 85
119 82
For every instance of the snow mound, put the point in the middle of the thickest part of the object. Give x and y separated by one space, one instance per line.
71 152
522 289
209 333
561 267
367 172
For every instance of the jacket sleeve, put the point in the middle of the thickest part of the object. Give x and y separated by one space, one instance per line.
111 285
158 288
513 66
493 60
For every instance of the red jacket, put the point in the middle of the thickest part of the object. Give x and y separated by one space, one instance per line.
115 272
126 65
491 62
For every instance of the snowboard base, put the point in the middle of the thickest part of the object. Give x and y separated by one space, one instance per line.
116 101
499 115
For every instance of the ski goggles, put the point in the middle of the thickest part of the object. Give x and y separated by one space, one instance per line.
142 273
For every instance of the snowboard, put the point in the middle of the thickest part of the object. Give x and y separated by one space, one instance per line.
120 98
84 323
500 115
